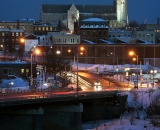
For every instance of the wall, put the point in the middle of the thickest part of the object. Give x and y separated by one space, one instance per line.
61 115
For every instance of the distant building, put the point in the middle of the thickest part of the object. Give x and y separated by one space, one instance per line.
115 35
116 14
93 29
11 39
64 38
43 29
146 36
25 24
17 68
152 27
30 41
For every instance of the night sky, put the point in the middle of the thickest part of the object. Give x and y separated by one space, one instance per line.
139 10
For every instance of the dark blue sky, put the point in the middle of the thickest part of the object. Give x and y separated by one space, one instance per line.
138 10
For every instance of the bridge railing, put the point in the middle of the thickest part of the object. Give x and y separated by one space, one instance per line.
10 91
6 101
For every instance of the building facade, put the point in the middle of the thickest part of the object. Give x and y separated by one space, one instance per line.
116 14
17 68
26 25
11 39
152 27
93 29
110 54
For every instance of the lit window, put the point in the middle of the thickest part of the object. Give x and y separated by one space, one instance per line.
27 70
39 28
22 71
3 34
20 34
12 34
16 33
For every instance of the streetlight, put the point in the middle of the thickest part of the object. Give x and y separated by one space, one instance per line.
37 52
152 74
69 51
77 55
132 53
82 49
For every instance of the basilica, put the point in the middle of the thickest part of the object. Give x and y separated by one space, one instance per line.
116 14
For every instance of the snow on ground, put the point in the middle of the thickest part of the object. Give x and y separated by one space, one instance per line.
142 97
121 124
137 98
136 120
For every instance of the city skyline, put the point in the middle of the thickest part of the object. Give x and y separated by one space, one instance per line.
139 10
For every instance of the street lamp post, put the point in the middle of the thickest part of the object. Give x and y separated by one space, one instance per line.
31 77
132 53
137 70
77 66
77 55
153 72
82 49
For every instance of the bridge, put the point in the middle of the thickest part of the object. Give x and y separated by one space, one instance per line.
61 110
53 110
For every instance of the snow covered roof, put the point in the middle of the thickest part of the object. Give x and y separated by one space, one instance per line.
4 29
17 30
105 41
13 62
93 26
94 20
87 41
122 41
143 41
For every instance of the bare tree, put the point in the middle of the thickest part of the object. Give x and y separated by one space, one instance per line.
56 64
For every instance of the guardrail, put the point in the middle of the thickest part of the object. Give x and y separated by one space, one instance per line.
10 91
54 98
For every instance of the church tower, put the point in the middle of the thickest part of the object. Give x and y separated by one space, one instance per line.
122 13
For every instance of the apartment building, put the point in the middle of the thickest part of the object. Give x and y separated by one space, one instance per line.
11 39
25 24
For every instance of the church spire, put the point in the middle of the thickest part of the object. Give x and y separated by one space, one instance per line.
121 7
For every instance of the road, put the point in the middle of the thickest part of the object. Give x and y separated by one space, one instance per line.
86 82
106 82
